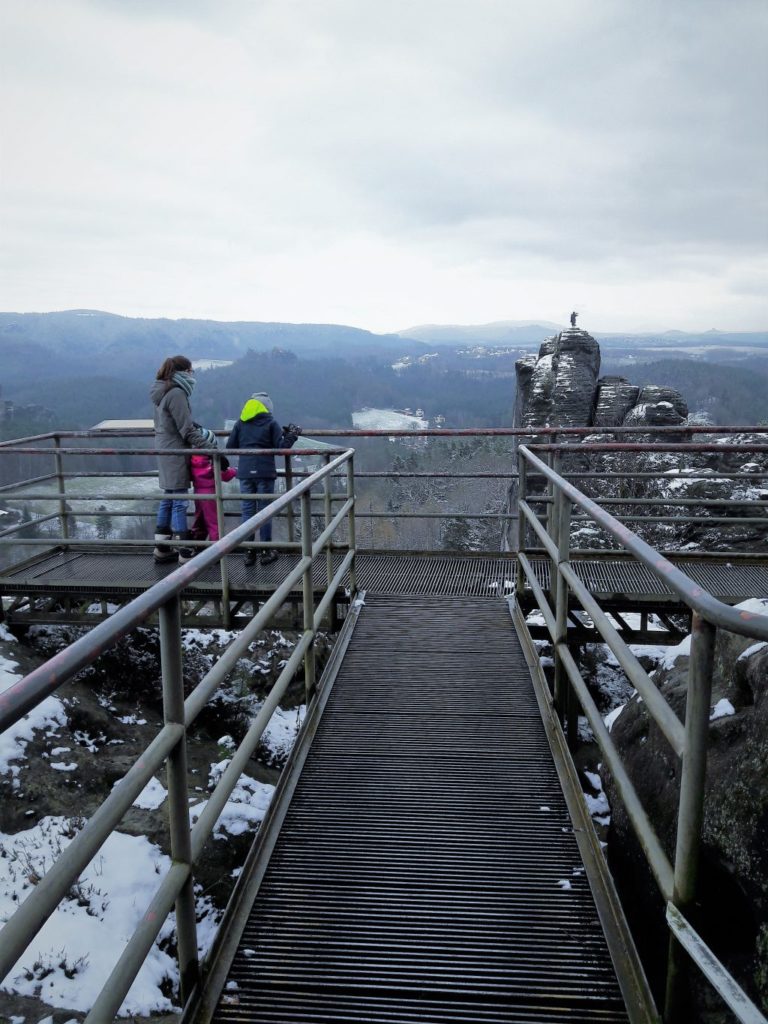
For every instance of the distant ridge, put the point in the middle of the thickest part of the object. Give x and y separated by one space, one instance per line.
505 332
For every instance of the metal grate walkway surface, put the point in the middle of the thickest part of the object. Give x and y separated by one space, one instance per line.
98 572
621 576
426 868
94 571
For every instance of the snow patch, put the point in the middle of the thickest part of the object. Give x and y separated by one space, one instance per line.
671 654
283 728
47 717
75 951
722 709
195 639
245 808
754 606
611 717
151 797
752 650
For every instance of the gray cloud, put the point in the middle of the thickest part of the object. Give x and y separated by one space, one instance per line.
467 156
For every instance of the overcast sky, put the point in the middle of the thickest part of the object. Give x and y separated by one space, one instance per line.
385 164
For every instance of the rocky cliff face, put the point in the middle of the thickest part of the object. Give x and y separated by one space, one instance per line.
561 388
733 916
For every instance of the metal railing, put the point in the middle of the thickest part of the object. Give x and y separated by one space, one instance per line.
170 745
676 879
623 490
63 451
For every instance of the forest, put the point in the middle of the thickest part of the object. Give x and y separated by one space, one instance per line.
323 391
75 368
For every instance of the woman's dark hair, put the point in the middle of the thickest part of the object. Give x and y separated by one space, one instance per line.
171 365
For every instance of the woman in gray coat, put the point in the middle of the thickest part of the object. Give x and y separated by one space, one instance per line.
174 428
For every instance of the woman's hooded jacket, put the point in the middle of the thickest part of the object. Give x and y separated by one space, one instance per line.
174 428
257 428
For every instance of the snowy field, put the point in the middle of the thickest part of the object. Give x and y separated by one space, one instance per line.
210 364
387 419
86 494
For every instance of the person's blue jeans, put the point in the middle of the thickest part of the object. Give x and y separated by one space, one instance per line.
172 513
258 485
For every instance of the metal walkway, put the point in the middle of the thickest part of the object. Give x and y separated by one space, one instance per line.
115 572
426 868
94 572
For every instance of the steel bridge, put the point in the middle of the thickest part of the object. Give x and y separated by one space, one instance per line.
428 854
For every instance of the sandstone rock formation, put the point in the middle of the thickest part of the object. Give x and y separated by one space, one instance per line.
557 389
560 388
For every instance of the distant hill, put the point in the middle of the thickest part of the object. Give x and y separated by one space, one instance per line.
85 366
529 334
84 341
501 332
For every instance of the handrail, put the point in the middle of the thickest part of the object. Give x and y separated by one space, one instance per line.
692 593
721 980
170 743
18 699
74 506
168 451
676 879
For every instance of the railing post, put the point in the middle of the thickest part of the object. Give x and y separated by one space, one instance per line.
562 531
178 793
328 515
553 521
550 513
289 510
554 461
221 521
308 594
60 481
352 540
522 495
691 807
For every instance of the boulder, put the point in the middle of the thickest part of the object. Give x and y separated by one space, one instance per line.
653 394
653 414
732 914
615 397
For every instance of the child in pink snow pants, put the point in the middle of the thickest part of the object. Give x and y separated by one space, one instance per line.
206 524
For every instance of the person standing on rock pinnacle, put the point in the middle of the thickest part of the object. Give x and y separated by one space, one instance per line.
573 318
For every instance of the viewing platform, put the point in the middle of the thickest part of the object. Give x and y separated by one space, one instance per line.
428 854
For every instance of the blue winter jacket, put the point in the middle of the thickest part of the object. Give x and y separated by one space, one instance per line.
257 428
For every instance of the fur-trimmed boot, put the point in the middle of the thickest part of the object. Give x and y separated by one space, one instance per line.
163 553
185 554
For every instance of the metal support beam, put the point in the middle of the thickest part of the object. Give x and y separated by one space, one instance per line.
691 809
308 596
178 793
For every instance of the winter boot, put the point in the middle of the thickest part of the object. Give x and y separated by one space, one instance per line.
162 553
185 554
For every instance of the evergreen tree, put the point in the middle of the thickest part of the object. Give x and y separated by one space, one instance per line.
103 523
